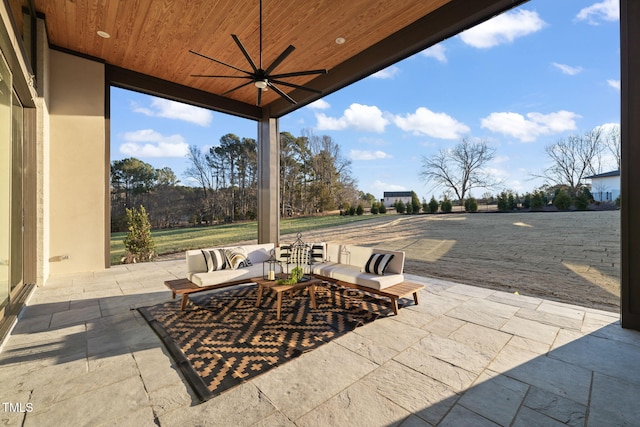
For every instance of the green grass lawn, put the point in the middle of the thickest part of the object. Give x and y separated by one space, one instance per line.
178 240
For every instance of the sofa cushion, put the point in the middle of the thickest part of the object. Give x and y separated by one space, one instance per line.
255 253
214 259
352 274
377 263
317 253
222 276
237 258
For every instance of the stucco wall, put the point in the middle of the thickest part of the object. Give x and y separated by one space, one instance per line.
77 164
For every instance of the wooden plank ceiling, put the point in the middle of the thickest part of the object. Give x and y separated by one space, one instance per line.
154 37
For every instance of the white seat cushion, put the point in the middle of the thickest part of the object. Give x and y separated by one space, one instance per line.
221 276
352 274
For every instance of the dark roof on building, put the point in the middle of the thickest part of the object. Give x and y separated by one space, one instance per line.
605 175
397 194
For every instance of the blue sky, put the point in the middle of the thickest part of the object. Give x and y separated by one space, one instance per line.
520 82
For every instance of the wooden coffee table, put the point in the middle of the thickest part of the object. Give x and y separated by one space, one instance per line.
274 286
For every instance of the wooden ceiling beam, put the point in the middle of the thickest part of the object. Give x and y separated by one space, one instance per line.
132 80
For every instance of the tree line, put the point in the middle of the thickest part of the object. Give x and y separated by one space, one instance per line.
314 178
459 170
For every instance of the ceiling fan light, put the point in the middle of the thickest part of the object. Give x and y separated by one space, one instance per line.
260 84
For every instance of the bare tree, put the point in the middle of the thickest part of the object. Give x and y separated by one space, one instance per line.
612 140
574 158
460 169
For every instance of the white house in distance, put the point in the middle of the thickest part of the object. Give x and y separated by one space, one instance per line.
390 197
605 187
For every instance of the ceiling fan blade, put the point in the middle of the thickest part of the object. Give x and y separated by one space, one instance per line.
280 82
298 73
222 77
259 97
245 53
219 62
238 87
282 94
279 59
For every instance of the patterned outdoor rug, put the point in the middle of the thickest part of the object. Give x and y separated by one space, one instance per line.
224 339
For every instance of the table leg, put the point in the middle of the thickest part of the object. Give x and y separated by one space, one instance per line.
259 297
185 300
278 305
415 297
394 305
312 295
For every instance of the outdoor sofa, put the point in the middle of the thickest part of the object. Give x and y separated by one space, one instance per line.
374 270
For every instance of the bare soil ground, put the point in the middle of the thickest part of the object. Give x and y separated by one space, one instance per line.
572 257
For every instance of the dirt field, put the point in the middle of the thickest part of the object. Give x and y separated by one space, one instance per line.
572 257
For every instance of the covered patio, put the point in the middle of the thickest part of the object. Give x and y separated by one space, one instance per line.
465 356
80 355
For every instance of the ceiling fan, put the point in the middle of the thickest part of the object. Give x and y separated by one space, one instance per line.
261 78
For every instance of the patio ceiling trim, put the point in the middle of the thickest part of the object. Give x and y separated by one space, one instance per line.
127 79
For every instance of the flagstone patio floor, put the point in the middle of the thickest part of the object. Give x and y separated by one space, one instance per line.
81 355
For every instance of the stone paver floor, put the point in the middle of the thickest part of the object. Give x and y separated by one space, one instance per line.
465 356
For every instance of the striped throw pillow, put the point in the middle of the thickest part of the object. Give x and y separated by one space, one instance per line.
215 259
378 263
237 258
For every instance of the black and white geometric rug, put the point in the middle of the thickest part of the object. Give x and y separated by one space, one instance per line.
223 339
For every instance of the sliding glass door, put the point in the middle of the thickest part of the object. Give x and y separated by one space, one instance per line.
6 89
11 193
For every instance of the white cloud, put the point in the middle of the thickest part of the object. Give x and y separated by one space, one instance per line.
567 69
504 28
387 73
359 117
149 143
320 104
368 155
436 125
381 187
161 107
614 83
527 129
607 10
436 52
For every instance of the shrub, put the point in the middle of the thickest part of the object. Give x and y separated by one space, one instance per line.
537 201
359 209
526 203
400 206
581 201
352 211
471 205
562 200
433 205
503 202
512 202
618 201
138 241
446 206
414 206
382 209
374 208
